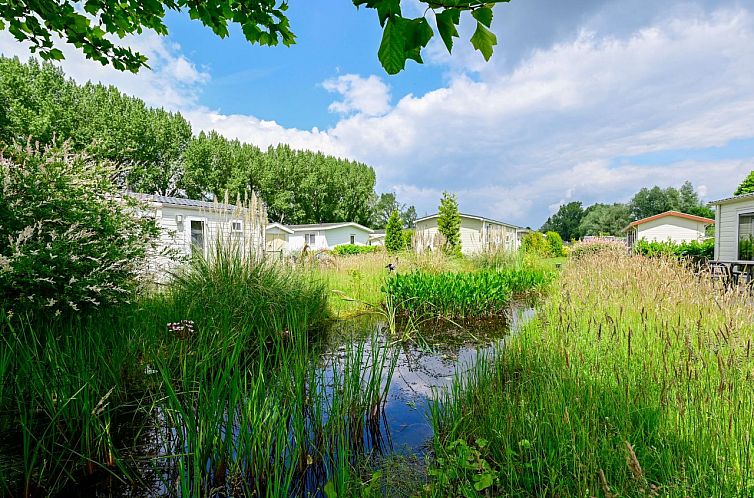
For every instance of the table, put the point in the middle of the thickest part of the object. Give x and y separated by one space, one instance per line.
730 272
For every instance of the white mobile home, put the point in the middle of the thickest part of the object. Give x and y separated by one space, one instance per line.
188 225
478 234
670 226
734 234
316 236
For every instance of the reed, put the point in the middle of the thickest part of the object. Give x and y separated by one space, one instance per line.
634 379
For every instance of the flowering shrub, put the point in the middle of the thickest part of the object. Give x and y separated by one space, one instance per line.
68 241
581 249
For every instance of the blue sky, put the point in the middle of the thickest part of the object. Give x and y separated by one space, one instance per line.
586 100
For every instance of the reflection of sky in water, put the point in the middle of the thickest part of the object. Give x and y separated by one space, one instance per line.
421 371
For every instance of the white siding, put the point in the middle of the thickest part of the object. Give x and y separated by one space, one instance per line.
327 239
726 230
476 235
671 228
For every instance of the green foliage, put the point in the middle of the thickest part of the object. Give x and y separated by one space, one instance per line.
449 224
566 221
42 105
384 206
746 186
535 243
605 219
695 249
157 153
408 238
463 470
351 249
554 244
67 240
394 241
484 293
263 22
651 201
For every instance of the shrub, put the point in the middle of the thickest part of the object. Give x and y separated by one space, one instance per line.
351 249
449 224
691 249
535 243
394 233
579 250
408 239
554 244
68 240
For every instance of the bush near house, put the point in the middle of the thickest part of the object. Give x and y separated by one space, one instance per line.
350 249
69 241
555 244
693 249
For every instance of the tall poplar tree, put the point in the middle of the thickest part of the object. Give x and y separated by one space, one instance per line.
449 224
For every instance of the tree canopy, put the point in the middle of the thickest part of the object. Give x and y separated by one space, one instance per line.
565 221
89 25
747 186
385 205
449 224
157 152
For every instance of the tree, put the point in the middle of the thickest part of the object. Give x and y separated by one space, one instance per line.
747 186
605 219
409 216
394 241
554 244
651 201
89 25
565 221
384 206
449 224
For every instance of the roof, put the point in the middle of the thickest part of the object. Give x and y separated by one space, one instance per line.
279 226
328 226
179 201
735 198
472 216
677 214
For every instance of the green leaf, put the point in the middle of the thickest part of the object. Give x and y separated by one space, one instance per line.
483 481
330 490
387 9
447 20
391 53
483 40
483 15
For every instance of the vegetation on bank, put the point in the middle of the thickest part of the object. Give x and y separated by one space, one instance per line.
632 380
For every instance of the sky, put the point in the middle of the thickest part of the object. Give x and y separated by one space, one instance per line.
585 100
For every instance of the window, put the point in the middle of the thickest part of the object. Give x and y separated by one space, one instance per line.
197 235
310 238
236 226
353 239
746 237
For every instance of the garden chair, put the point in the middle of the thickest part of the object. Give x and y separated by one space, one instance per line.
722 272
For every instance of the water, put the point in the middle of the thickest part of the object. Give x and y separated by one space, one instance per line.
423 365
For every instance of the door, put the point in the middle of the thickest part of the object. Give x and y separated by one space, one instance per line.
198 235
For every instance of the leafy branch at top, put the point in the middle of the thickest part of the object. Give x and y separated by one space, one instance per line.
89 25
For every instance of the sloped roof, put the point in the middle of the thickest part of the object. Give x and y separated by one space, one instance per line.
279 226
734 198
179 201
472 216
329 226
677 214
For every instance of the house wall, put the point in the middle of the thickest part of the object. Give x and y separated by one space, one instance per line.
174 243
671 228
476 236
726 228
327 239
276 240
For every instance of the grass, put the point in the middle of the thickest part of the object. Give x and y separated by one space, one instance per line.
634 379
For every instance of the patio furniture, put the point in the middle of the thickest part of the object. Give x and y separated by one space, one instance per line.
722 271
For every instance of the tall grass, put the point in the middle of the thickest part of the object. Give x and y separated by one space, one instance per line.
635 379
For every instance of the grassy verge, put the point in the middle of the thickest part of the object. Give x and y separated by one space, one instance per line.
633 380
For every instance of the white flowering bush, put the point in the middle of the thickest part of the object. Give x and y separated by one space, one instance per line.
68 240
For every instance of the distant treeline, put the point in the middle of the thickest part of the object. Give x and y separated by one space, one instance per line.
573 221
159 153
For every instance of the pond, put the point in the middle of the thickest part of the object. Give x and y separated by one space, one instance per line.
394 432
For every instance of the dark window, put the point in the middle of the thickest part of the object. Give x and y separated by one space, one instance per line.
197 235
746 237
353 239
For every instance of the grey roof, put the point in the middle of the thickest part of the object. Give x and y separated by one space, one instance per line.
734 198
327 226
381 231
476 217
179 201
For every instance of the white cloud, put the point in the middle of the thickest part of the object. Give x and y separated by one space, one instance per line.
369 96
514 143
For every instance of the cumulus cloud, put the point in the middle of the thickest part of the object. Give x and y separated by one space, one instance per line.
369 96
567 120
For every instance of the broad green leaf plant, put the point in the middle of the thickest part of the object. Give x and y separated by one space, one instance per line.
91 25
